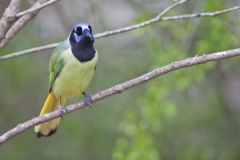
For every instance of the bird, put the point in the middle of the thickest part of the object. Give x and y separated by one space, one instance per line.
71 69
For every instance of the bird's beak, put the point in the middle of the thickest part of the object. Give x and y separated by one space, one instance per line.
87 34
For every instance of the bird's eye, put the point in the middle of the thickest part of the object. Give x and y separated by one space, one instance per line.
90 28
78 30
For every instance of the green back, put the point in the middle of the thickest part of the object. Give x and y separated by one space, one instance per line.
57 62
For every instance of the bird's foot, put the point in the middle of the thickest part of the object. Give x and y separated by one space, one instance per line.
87 99
61 110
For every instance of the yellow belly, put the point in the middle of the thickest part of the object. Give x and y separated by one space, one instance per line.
74 77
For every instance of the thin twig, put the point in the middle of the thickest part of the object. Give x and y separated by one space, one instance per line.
8 17
29 51
142 24
121 30
120 88
197 15
37 8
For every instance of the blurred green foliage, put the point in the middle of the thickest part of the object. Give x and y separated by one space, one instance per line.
187 114
143 126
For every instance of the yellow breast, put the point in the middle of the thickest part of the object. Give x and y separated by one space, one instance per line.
75 76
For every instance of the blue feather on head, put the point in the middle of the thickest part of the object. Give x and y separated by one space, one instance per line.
81 31
81 40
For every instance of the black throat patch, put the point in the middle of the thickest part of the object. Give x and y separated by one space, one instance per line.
83 51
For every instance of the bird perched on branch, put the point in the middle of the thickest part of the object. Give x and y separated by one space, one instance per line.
71 68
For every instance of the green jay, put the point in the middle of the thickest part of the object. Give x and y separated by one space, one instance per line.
71 68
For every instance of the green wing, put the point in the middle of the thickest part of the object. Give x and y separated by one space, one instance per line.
57 62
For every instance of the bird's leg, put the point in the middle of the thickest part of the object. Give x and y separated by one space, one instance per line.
87 99
61 108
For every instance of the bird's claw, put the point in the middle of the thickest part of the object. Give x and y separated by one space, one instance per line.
87 99
61 110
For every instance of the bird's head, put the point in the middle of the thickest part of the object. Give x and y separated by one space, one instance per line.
81 35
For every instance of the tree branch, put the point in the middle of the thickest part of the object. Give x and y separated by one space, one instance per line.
8 17
23 19
36 8
120 88
125 29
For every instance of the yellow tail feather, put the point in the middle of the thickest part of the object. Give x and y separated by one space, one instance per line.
48 128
